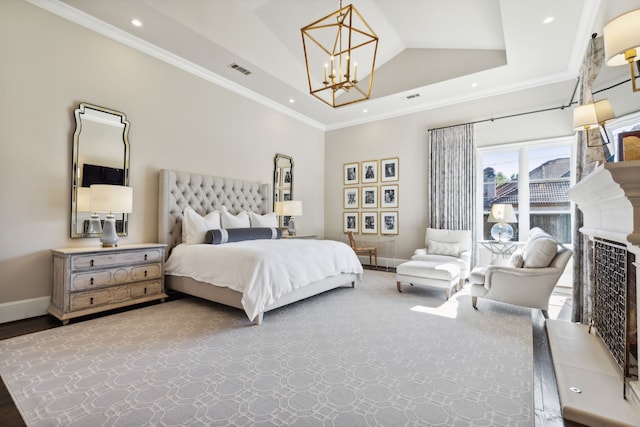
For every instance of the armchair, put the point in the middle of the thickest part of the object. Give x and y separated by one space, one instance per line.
447 246
530 278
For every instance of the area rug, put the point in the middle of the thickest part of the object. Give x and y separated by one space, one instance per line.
368 356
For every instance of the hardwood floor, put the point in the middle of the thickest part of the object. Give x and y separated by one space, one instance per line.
547 411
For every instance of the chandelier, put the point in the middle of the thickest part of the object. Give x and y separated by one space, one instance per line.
334 47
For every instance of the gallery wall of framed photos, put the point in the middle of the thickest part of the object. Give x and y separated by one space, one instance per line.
371 198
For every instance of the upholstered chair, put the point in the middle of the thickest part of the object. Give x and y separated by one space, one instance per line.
447 246
529 278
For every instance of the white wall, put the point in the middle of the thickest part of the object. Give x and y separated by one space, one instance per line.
178 121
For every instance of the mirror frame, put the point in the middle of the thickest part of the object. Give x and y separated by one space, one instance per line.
277 178
75 167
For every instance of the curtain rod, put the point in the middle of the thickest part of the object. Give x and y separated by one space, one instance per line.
561 107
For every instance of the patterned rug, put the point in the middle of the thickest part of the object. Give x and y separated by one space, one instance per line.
368 356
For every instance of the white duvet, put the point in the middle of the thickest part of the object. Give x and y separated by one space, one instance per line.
263 270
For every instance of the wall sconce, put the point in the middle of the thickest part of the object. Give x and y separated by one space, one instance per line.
502 215
110 199
593 115
622 42
289 208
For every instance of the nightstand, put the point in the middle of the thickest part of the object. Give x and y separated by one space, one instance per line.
91 280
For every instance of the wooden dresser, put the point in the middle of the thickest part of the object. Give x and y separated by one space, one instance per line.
91 280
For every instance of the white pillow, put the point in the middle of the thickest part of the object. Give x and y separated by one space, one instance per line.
539 252
443 248
516 259
268 220
195 226
235 221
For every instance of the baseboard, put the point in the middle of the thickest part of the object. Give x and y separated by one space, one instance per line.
23 309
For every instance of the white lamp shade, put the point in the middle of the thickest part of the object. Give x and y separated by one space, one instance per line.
585 116
289 208
111 198
502 213
83 199
620 35
604 110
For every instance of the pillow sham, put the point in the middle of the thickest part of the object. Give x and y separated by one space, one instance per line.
228 220
266 220
195 226
443 248
217 237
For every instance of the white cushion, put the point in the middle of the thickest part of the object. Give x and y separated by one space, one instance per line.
229 220
195 226
432 270
268 220
539 252
516 260
443 248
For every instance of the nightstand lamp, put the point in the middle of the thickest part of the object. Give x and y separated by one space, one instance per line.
289 208
111 198
502 215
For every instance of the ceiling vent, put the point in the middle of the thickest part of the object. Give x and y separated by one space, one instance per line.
412 96
240 69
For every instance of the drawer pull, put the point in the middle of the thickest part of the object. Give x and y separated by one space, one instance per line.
145 256
91 300
145 273
145 290
91 263
91 281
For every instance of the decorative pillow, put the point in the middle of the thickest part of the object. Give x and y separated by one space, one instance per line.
216 237
516 260
195 226
443 248
235 221
539 252
267 220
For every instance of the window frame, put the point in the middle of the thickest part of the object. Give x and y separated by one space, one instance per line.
522 148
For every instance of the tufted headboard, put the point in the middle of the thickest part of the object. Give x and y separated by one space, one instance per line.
204 194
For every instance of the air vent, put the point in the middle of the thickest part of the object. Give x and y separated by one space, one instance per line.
412 96
240 69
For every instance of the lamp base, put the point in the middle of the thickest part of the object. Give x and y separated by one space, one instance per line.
109 237
291 228
95 227
502 232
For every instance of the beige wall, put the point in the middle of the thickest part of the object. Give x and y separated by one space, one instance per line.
178 121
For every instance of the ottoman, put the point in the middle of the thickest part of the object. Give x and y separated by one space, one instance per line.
443 275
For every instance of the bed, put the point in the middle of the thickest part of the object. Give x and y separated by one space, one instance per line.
314 266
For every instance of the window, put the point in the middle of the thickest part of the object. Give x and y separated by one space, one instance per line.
534 179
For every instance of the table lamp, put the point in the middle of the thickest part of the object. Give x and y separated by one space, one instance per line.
289 208
502 215
110 199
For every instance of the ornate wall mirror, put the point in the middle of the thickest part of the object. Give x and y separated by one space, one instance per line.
282 180
100 156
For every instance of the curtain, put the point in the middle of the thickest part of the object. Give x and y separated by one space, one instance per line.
452 178
586 160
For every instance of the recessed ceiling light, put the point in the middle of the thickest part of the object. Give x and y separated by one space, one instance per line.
365 111
136 22
474 84
291 100
548 20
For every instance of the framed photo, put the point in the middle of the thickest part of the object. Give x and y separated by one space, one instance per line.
629 146
389 196
370 222
389 169
351 173
351 197
369 197
286 195
369 171
286 177
351 222
284 221
389 222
